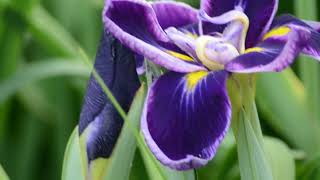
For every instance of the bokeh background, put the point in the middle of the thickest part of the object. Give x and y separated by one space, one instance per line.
42 83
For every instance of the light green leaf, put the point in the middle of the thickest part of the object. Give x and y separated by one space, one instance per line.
167 173
252 159
121 160
72 166
38 71
282 100
3 175
280 159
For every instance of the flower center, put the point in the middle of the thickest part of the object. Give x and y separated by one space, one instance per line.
215 52
216 49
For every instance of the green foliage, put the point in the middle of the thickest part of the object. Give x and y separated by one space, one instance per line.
279 156
72 166
42 82
3 175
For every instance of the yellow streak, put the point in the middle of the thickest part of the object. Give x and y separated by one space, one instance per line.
194 78
254 49
180 56
277 32
191 35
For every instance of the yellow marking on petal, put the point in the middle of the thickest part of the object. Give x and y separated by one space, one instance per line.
191 35
254 49
181 56
277 32
194 78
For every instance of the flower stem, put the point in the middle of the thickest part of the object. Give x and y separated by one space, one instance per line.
247 130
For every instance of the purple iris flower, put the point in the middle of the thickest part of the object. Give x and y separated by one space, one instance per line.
187 111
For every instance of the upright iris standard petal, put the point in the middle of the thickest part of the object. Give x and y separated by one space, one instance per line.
278 50
259 12
100 124
185 117
312 48
135 24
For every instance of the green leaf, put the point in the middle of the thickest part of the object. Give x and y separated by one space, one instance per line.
282 100
280 159
3 175
72 166
38 71
309 68
310 169
252 159
120 164
223 161
50 33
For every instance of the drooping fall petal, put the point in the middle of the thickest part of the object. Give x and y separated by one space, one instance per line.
185 117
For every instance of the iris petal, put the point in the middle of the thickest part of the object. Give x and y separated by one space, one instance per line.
278 50
259 12
185 117
312 48
135 24
99 120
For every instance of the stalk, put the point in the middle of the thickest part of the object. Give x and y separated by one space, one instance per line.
246 127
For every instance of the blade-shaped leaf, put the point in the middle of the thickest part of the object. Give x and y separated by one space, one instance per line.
280 158
50 33
40 70
123 154
252 159
282 100
3 175
308 67
72 166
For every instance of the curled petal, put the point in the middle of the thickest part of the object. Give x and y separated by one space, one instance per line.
312 47
185 117
275 53
100 124
260 14
135 24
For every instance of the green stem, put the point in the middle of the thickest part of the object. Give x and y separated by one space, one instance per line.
309 69
247 130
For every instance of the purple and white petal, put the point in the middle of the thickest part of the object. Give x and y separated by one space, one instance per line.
312 48
100 123
259 12
275 53
185 117
174 14
134 23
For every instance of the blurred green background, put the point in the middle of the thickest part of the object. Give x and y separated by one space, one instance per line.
45 81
